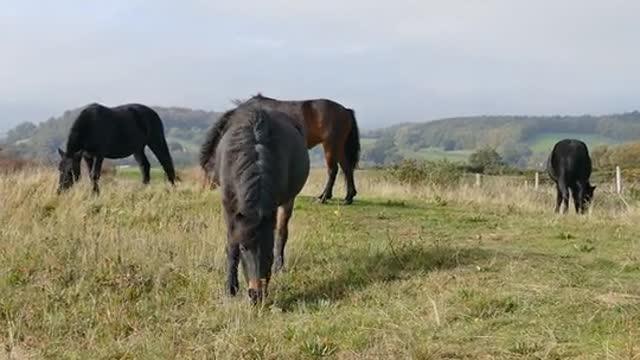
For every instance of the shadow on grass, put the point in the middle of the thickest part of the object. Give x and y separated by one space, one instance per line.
361 203
361 270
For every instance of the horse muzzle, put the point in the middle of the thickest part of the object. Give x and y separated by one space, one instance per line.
257 290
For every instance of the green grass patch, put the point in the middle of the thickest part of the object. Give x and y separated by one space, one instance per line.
545 142
435 154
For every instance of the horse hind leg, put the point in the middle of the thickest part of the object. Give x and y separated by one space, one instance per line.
145 166
161 151
558 199
96 169
282 234
563 190
332 172
347 169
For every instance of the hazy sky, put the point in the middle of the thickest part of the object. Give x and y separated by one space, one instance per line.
392 61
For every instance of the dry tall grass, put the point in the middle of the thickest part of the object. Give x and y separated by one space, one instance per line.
406 272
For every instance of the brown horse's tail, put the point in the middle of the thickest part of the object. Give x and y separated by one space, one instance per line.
352 147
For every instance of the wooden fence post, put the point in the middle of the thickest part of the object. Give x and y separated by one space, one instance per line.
537 182
618 180
478 180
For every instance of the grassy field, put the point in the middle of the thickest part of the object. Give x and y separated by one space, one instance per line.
404 273
544 142
431 153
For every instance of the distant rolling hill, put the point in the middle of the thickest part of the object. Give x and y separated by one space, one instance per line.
521 140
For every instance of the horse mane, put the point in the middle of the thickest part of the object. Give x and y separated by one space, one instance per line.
253 165
208 149
76 131
259 96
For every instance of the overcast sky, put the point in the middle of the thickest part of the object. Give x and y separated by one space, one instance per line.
392 61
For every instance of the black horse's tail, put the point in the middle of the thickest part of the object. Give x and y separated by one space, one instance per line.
352 146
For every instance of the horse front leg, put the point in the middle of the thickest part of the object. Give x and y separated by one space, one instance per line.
95 173
233 259
578 198
282 234
88 159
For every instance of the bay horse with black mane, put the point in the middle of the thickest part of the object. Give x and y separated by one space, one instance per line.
261 163
101 132
328 123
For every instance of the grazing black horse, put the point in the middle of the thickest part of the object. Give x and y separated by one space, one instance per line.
569 166
328 123
260 160
101 132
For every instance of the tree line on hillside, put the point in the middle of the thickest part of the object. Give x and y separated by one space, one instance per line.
508 135
479 131
627 156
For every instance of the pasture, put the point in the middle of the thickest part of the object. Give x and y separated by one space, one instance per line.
435 154
403 273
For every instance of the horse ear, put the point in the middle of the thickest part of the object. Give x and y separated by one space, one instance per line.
593 187
62 153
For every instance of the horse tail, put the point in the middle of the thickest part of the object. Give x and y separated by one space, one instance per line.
352 146
255 166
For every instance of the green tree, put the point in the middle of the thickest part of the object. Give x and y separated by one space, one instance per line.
384 151
515 154
21 132
484 159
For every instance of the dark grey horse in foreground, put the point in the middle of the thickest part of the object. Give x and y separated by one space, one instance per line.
569 166
101 132
259 159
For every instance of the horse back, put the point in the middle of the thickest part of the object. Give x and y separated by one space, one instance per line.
113 132
289 159
325 120
293 153
570 161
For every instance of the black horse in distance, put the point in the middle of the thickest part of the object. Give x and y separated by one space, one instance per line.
101 132
569 166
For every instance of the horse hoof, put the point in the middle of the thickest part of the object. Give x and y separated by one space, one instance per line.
321 200
231 292
347 202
